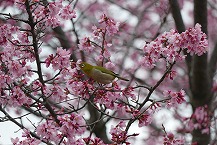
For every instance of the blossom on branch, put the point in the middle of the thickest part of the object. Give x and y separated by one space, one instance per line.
111 27
168 46
199 120
60 60
119 135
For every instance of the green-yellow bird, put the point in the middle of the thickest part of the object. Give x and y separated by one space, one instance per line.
99 74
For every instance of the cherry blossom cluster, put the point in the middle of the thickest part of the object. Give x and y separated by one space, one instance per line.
55 12
107 27
110 25
16 98
14 59
60 60
28 139
169 139
119 135
7 32
175 98
15 71
92 141
50 14
168 46
194 40
199 120
145 119
79 88
107 97
85 45
55 92
71 127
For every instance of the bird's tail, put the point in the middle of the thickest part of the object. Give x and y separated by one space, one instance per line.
122 78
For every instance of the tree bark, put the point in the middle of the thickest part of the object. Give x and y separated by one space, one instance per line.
200 80
98 128
200 74
180 26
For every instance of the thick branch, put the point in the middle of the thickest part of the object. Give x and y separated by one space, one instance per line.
38 62
200 80
213 62
34 40
175 10
99 128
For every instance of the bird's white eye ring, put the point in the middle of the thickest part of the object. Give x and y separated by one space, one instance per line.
82 65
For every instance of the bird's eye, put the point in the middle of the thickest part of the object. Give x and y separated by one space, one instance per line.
82 65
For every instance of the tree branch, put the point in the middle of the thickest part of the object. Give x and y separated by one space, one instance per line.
21 126
212 63
180 26
200 79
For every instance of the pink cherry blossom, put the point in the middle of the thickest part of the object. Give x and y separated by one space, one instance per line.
28 139
172 74
176 97
6 33
111 27
129 92
106 53
18 98
54 8
48 131
85 45
195 40
60 60
97 32
67 13
199 120
57 93
99 58
119 135
110 65
94 141
54 12
169 44
170 139
145 119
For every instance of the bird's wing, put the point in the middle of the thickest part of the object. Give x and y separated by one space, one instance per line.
104 70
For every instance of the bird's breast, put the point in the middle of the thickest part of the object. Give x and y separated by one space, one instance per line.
101 77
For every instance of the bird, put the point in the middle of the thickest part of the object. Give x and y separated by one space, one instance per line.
99 74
